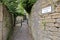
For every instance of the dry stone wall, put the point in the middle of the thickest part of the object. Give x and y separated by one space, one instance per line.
45 26
34 19
1 16
51 26
6 22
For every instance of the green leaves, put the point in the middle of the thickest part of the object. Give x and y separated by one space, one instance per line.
27 4
20 9
11 5
19 6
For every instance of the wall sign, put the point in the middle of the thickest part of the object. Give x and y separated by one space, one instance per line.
47 9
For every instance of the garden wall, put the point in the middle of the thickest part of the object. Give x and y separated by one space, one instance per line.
1 20
45 26
6 22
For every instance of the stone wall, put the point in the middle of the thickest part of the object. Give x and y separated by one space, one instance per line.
19 19
50 24
1 19
6 22
34 19
45 26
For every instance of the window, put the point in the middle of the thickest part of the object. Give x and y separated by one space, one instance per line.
47 9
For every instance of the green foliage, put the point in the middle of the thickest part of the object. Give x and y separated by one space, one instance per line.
19 7
27 4
11 5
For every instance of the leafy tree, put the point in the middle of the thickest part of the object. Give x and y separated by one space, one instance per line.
27 4
19 7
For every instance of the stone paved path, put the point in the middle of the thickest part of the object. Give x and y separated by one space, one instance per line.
21 33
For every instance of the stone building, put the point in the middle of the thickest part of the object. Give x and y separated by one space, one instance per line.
45 20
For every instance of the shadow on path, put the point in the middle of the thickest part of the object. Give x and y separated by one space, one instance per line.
21 33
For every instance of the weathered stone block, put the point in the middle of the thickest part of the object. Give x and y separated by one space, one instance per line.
47 38
53 29
57 9
5 32
56 16
50 24
50 33
47 17
41 18
1 11
57 24
41 27
57 34
49 20
58 20
0 30
55 38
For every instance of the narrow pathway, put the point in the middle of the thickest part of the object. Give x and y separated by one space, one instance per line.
21 33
